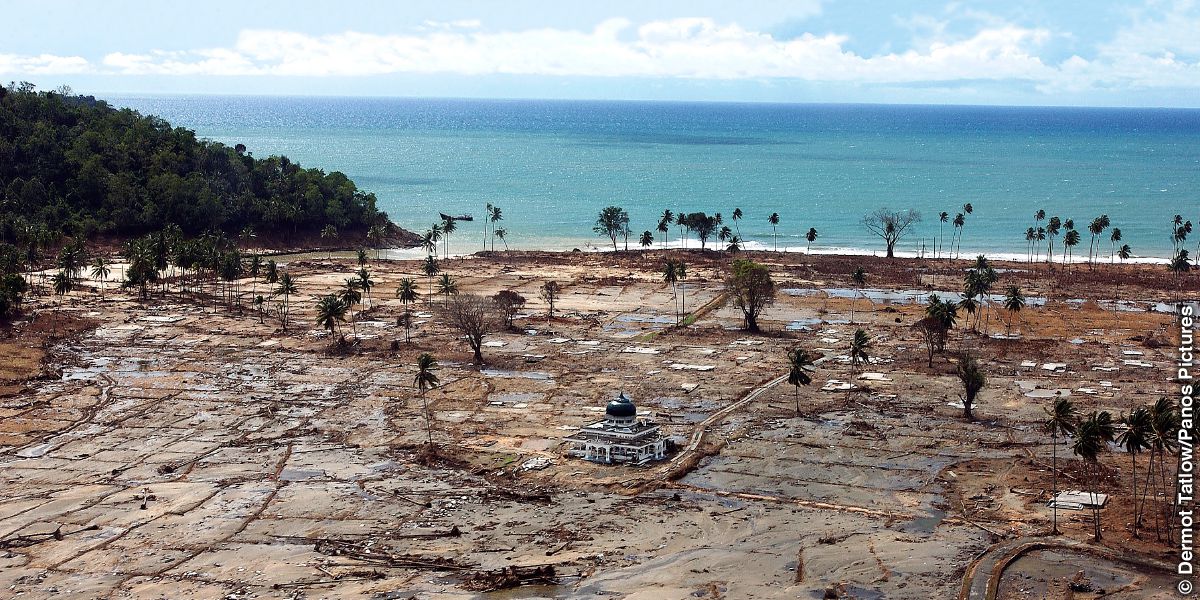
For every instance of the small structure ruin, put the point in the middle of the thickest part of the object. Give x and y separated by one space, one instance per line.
619 438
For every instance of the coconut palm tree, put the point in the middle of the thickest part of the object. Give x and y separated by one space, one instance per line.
1070 240
287 287
737 216
811 236
959 221
1125 253
435 235
100 271
501 234
1053 227
800 362
967 209
1113 238
735 245
682 221
448 227
1030 235
1014 301
1134 439
1063 419
331 311
1037 241
254 270
1096 227
271 274
664 226
860 348
671 278
1164 426
430 268
1092 438
774 221
859 277
942 218
447 286
351 295
63 284
1180 263
494 217
647 239
487 215
407 294
375 235
329 232
724 234
424 381
365 283
681 273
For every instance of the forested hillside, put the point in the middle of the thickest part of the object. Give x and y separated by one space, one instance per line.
76 166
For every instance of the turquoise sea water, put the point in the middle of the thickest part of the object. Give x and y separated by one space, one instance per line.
552 165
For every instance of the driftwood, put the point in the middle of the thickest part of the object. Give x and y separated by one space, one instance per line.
510 577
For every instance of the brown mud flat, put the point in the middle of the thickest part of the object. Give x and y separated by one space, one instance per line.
180 448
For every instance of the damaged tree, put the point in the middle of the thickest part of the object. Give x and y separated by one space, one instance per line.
751 288
890 225
473 316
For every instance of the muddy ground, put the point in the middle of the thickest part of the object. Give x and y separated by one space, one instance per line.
178 447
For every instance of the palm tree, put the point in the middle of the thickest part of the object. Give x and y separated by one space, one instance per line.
811 236
435 235
774 221
1092 437
1113 239
681 273
737 216
735 245
330 312
1135 439
429 242
426 380
1125 253
407 294
671 278
495 216
973 380
1164 425
1096 227
487 215
430 268
1030 235
365 283
1052 229
1037 241
500 234
447 286
448 228
1063 419
350 295
859 277
860 347
800 362
942 218
1014 301
100 270
329 232
362 257
959 221
664 225
375 237
287 287
724 234
647 239
255 270
1070 240
271 275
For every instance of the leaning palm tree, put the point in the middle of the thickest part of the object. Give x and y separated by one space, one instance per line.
737 216
100 271
501 233
800 362
407 294
331 311
860 348
1125 253
811 236
859 277
1063 419
774 221
287 287
1134 439
1014 301
1164 426
1092 437
426 380
447 286
1113 238
430 268
647 239
671 278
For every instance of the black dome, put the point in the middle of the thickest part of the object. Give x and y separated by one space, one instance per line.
621 407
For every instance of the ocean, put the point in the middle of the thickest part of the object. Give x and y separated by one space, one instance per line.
552 165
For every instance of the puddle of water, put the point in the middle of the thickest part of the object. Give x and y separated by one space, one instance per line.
506 373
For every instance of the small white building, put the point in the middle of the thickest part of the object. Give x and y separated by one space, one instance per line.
619 438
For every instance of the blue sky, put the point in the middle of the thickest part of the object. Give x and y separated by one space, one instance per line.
1139 53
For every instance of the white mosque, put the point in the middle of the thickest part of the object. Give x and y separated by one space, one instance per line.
619 438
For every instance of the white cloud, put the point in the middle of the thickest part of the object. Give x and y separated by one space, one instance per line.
43 64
